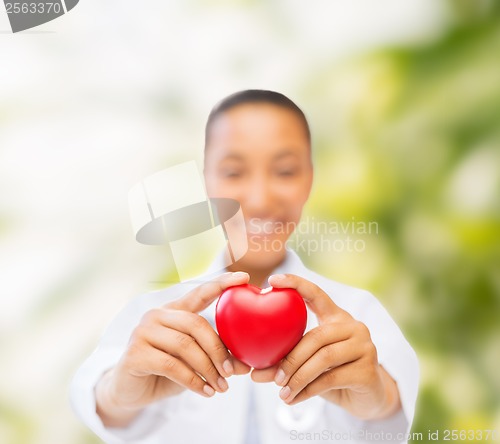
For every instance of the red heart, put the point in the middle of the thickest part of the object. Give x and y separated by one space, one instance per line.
260 327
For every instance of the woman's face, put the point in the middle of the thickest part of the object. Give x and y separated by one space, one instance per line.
259 155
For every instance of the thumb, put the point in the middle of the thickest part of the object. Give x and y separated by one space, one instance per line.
202 296
316 299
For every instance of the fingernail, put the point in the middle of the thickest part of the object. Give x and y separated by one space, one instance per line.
221 382
285 393
239 275
280 377
279 277
228 367
209 391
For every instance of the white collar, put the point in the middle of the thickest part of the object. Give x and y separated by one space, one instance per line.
291 263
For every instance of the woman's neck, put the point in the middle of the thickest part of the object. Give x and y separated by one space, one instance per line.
258 275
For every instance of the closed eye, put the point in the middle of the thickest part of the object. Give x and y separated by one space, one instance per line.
287 173
232 174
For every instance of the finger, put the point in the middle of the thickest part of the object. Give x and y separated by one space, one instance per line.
336 379
185 348
163 364
317 300
326 358
200 329
202 296
240 368
311 342
265 374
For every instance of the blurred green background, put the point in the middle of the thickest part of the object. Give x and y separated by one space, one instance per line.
404 104
417 149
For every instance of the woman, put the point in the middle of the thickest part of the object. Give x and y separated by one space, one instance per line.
155 375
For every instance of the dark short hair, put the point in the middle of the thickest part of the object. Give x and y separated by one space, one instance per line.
251 96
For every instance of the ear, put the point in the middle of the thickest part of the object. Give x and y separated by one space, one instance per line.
207 180
310 181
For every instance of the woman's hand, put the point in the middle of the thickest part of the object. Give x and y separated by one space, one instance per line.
336 360
172 349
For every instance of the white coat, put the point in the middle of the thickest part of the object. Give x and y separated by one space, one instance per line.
229 418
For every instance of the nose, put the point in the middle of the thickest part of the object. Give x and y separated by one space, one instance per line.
259 199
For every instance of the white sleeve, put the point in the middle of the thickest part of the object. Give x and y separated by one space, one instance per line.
105 356
399 360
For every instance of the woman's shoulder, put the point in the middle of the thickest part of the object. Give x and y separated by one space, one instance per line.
161 296
349 298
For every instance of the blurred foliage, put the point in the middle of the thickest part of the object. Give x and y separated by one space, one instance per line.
20 428
408 137
422 127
